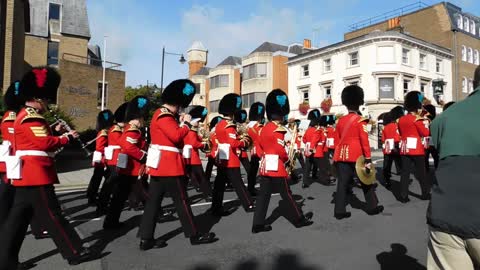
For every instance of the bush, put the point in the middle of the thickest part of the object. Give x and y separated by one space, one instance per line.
50 117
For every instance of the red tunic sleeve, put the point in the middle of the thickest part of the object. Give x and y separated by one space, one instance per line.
363 134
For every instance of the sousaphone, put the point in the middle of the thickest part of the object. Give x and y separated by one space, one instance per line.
367 178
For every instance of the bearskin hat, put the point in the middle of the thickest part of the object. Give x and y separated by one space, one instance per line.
397 112
413 101
230 104
138 107
179 92
314 117
12 99
215 121
387 118
257 112
104 119
277 104
199 112
240 116
120 113
323 122
40 82
432 111
352 97
330 119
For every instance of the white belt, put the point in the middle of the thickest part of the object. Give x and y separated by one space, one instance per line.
113 147
36 153
165 148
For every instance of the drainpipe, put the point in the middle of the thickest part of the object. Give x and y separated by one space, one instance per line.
455 66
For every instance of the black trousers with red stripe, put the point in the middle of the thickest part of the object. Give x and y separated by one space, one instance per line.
41 202
252 173
98 173
175 186
267 186
209 168
199 179
119 197
233 175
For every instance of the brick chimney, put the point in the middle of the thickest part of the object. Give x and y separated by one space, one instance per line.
307 44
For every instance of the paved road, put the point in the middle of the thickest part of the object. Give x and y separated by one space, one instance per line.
361 242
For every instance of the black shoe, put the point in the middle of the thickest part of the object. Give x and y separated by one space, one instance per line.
388 184
203 239
83 256
261 228
340 216
426 197
92 202
304 221
113 226
43 235
151 243
375 211
404 200
100 212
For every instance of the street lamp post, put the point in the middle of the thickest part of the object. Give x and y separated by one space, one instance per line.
181 60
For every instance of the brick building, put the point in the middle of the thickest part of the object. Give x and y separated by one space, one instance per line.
59 36
14 22
443 24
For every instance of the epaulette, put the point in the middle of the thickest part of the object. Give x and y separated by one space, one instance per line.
230 123
420 118
103 132
280 129
363 119
117 128
11 117
164 112
133 128
32 114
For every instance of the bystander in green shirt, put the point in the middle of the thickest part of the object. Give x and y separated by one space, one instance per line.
456 132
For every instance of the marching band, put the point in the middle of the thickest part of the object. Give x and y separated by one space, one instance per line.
331 150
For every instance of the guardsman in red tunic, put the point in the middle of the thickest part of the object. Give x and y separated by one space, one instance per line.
257 115
320 157
310 139
430 112
353 143
6 127
166 166
228 168
240 117
193 143
214 147
413 128
131 159
111 156
33 181
104 123
331 141
272 165
390 142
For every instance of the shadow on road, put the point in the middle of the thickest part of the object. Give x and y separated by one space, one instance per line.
72 159
397 259
284 261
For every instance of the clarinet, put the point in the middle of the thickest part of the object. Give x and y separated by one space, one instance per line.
68 128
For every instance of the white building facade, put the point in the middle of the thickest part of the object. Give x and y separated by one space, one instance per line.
385 64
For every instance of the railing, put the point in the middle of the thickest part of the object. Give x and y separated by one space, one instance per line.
89 61
388 15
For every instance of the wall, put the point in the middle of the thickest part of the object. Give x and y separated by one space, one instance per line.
465 69
35 51
200 99
194 67
77 95
219 92
13 68
258 84
280 73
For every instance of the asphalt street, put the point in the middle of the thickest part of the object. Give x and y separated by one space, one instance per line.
395 239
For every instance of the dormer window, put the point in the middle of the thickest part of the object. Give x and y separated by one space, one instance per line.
466 24
473 29
460 21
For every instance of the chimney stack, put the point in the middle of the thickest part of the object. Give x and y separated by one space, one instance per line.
307 44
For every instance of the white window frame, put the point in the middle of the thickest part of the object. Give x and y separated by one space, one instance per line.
409 87
476 57
473 27
470 55
324 65
408 52
464 85
425 66
464 53
302 91
350 59
60 17
324 86
470 85
466 24
439 62
303 71
460 21
427 86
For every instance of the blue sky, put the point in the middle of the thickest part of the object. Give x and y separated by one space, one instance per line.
138 29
